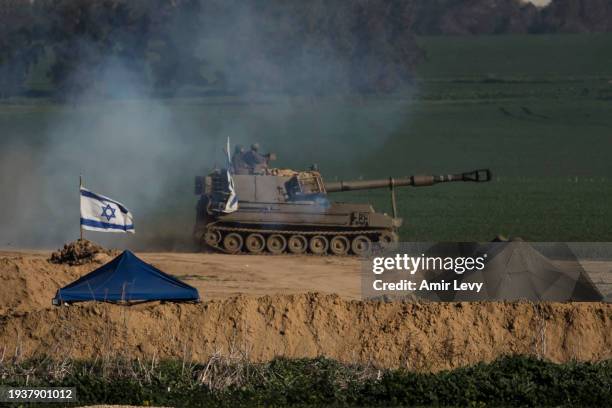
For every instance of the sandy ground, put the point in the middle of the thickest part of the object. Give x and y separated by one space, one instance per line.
31 281
261 307
417 336
601 275
218 276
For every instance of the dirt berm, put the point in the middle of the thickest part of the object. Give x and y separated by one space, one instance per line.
28 281
421 336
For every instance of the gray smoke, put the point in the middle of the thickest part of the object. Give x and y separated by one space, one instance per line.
145 151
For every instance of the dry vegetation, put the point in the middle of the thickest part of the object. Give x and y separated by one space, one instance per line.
81 252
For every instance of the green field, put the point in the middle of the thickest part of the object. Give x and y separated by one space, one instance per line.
537 110
516 381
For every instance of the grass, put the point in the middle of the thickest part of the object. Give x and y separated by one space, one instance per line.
536 209
541 57
537 110
507 382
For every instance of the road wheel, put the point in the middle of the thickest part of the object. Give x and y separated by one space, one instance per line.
255 243
232 242
298 244
361 245
212 238
276 244
339 245
388 238
318 245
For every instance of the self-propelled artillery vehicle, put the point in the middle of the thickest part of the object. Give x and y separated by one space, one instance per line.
280 211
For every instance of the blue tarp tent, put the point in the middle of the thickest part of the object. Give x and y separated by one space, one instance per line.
126 279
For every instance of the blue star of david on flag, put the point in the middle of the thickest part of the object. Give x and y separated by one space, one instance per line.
100 213
108 212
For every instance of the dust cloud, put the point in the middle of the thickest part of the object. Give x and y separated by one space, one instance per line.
144 150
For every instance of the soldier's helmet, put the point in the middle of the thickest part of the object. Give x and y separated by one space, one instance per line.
238 149
255 147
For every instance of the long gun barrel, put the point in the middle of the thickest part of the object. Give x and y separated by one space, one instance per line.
477 176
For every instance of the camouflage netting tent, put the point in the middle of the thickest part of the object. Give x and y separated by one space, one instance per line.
516 270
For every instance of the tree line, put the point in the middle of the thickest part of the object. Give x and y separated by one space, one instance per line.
235 46
217 45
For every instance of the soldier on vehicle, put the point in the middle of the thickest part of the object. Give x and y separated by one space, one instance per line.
257 162
238 162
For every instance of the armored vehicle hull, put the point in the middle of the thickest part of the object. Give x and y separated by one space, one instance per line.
286 211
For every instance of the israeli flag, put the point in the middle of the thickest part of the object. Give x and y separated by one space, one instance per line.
99 213
232 201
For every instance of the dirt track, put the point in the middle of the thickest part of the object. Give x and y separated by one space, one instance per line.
287 321
28 281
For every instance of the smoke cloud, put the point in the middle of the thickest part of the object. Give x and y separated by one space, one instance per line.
144 151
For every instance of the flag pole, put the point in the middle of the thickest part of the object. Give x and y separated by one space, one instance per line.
80 185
